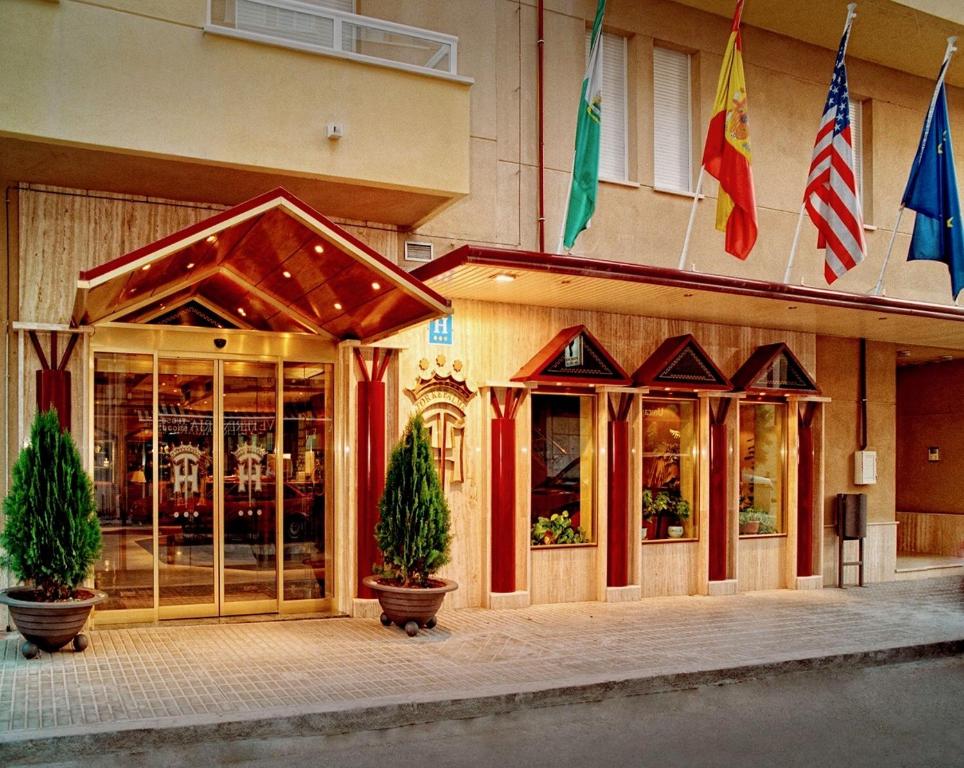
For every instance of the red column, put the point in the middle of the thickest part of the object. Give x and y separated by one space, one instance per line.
503 505
805 501
502 489
53 391
53 378
617 532
718 497
370 476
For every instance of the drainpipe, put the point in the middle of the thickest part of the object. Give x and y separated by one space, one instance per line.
862 394
541 44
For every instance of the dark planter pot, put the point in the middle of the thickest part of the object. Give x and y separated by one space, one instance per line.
50 626
409 607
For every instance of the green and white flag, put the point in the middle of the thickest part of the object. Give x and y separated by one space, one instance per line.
585 164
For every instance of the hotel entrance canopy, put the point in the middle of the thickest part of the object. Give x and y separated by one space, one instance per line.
572 282
269 264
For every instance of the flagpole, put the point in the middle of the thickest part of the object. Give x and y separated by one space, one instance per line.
796 241
948 53
565 208
851 15
689 227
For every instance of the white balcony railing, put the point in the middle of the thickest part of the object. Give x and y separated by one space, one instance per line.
315 29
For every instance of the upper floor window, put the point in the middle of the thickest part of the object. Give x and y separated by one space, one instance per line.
563 457
859 136
672 120
613 146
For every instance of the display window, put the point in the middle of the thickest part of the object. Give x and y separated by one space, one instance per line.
563 473
670 478
762 468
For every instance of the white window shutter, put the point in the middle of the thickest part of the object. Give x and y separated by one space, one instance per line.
857 137
672 120
613 156
347 6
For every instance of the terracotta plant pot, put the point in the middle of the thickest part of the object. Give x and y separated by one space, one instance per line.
50 626
750 528
409 607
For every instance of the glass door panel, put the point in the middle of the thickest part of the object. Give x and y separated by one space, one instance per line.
123 470
250 556
307 436
187 449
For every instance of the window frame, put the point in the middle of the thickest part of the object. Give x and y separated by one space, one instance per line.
592 528
694 519
783 518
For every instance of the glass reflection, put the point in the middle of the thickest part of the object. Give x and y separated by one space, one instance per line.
122 469
186 481
307 454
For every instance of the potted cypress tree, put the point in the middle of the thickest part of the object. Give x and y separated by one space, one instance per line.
413 535
50 540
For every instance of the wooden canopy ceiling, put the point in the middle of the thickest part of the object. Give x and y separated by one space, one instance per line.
270 264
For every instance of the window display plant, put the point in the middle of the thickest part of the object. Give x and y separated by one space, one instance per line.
412 534
50 540
666 505
756 521
557 529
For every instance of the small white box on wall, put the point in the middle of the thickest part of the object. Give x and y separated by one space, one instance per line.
865 467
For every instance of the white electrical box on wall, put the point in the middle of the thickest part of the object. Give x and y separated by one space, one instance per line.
865 468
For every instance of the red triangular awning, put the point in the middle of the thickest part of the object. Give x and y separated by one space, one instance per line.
574 356
272 263
680 364
773 369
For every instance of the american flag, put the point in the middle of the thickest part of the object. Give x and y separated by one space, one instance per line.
831 194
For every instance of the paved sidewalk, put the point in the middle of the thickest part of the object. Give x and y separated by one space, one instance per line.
241 679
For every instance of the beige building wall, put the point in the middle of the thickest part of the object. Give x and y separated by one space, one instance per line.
838 366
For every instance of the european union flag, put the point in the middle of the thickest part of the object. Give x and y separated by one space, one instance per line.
932 192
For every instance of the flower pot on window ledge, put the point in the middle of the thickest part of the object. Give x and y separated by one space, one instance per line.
675 531
750 528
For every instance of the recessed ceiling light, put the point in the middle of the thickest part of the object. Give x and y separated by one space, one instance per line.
945 358
791 307
903 353
688 295
376 286
145 268
286 273
504 277
881 318
190 265
319 249
337 305
242 312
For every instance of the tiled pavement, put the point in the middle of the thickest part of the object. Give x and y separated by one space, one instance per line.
181 675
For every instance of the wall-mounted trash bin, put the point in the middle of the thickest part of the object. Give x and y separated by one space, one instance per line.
851 525
852 515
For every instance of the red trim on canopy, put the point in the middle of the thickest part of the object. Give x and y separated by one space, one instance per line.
287 266
580 266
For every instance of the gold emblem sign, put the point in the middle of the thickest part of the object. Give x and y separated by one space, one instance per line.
441 395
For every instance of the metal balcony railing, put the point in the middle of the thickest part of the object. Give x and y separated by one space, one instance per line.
311 28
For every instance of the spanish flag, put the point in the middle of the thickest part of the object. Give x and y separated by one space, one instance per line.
727 152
